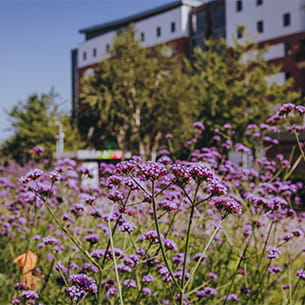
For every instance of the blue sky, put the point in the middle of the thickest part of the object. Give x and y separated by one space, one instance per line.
36 38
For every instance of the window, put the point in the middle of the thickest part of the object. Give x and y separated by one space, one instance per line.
194 43
158 31
142 36
107 47
287 75
260 26
200 22
218 17
240 31
239 5
259 2
84 55
198 42
286 19
173 27
287 48
94 52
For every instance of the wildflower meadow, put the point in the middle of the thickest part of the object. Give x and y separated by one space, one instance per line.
199 231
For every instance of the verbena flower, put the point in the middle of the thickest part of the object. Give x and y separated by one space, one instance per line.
20 286
49 240
130 283
146 291
92 238
32 174
206 292
226 205
29 295
89 268
116 196
153 170
274 269
301 274
147 278
170 245
81 285
181 173
123 268
127 226
231 297
126 167
273 252
152 236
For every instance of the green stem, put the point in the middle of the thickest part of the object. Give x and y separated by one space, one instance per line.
160 240
47 277
203 253
241 258
299 144
187 241
114 262
264 248
256 292
292 169
76 243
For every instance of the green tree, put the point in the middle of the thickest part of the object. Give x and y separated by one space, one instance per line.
234 85
35 122
137 96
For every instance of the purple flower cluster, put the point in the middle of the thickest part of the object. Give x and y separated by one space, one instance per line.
81 286
226 205
153 170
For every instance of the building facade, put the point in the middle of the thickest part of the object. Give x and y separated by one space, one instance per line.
280 24
169 23
185 24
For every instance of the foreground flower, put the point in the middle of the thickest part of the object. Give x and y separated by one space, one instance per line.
81 286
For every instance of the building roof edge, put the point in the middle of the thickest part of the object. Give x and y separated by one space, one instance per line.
139 16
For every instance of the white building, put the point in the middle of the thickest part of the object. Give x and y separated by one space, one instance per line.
168 23
186 24
278 23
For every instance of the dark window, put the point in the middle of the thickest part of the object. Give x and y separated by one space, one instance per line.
259 2
240 31
239 5
218 17
219 34
173 27
158 31
94 52
194 43
84 55
142 36
200 22
286 19
287 48
260 26
287 75
198 42
107 47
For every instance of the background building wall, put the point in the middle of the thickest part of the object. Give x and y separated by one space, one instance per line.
148 26
270 12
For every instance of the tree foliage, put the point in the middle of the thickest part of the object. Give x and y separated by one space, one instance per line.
139 94
236 86
136 96
35 122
